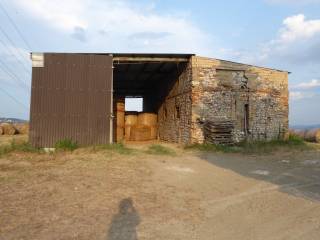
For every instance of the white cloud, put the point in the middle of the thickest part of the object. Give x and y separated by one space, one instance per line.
297 95
297 28
307 85
61 14
120 25
297 41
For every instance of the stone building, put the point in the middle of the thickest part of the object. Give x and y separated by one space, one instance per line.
197 99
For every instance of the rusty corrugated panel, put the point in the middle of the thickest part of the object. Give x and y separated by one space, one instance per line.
71 98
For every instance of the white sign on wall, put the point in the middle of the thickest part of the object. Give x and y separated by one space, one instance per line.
37 59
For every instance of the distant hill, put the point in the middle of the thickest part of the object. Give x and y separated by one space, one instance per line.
305 126
12 120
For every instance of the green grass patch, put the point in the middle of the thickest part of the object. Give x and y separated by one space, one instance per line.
116 147
256 147
18 147
66 145
157 149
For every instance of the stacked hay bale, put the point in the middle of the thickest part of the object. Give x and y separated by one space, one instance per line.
131 119
8 129
311 135
146 127
149 120
140 133
120 120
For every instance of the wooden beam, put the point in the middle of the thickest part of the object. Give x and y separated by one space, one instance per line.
148 59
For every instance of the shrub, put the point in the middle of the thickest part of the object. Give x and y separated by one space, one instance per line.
66 145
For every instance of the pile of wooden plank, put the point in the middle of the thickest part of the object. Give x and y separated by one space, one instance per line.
219 132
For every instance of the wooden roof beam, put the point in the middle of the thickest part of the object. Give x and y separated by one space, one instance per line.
149 59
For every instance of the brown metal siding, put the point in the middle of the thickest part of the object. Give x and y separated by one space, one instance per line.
71 98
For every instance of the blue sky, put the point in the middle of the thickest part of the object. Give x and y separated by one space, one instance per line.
283 34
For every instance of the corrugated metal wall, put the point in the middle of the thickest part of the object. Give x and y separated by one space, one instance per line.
71 98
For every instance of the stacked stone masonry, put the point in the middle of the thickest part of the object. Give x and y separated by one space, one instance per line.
254 99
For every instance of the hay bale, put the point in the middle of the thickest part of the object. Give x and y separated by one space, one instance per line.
121 106
8 129
131 120
313 135
154 132
318 136
140 133
23 128
127 132
1 131
120 134
120 119
147 119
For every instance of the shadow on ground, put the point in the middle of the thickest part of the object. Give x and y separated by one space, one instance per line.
124 223
296 173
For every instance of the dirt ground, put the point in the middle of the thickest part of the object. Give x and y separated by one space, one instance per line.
90 194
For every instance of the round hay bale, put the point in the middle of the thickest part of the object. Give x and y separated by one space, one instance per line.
140 133
23 128
147 119
127 132
131 120
120 106
313 135
318 135
120 134
1 131
154 132
8 129
120 119
310 135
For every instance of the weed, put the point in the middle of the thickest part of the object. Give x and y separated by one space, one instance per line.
17 147
293 142
66 145
157 149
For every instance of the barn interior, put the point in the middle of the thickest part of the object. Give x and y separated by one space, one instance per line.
147 76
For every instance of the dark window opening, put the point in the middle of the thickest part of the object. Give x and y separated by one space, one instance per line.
246 118
165 113
177 112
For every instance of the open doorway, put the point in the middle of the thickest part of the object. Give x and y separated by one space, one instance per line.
148 86
133 104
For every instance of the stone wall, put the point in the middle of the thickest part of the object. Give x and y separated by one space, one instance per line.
174 114
254 99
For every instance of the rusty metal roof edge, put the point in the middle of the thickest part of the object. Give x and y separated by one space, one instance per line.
250 65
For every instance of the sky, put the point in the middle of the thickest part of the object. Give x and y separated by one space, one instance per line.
281 34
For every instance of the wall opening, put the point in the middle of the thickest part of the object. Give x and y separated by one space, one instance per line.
146 86
133 104
246 119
